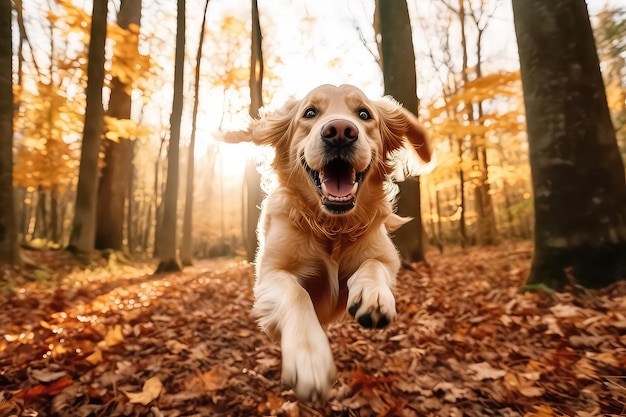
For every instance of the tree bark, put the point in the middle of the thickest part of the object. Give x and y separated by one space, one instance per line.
577 172
9 253
398 64
82 238
167 245
408 238
253 195
116 172
186 248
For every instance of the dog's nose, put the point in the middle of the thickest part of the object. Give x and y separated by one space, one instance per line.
339 132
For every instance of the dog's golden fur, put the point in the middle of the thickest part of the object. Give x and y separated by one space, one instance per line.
321 253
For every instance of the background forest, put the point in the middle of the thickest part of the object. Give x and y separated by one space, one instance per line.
468 82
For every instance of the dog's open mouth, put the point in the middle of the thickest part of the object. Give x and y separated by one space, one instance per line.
337 183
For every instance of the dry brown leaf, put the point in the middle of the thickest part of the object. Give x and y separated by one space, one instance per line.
607 358
175 346
215 379
46 375
150 391
271 405
484 371
583 369
565 311
542 411
113 337
96 357
452 392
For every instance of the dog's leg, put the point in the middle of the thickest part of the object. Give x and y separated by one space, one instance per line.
286 312
370 299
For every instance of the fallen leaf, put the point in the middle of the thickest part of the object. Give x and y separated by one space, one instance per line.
113 337
452 393
583 369
271 405
524 384
39 390
151 390
606 358
484 371
565 311
215 379
542 411
96 357
175 346
45 375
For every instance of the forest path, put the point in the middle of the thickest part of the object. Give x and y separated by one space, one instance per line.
116 340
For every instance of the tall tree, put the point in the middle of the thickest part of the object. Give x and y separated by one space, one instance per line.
8 231
577 172
167 239
186 247
83 227
253 195
116 173
398 64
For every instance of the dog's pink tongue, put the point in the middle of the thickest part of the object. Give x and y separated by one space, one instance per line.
338 188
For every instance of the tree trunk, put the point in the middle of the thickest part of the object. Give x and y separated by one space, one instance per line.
8 229
83 229
398 63
116 172
256 64
41 215
577 172
167 239
253 195
411 248
462 205
157 206
186 248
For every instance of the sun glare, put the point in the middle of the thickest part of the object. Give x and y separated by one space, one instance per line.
233 157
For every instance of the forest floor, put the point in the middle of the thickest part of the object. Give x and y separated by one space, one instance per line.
115 340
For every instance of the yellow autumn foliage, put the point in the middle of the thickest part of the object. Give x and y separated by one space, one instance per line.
117 129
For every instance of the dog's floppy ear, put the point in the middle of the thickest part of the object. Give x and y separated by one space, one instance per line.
271 128
400 127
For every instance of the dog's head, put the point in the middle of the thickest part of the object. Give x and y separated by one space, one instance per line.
338 139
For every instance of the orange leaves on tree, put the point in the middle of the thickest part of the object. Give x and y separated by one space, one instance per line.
128 64
446 116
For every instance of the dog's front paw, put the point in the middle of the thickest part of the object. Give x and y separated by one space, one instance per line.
308 366
372 306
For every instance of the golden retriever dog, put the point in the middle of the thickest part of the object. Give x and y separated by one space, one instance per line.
323 234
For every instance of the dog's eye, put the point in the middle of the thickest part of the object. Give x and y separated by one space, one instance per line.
310 113
364 114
